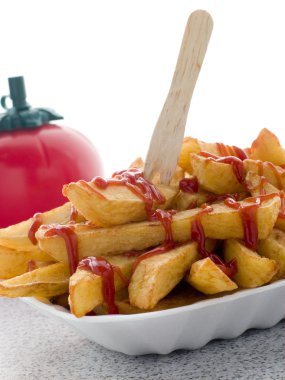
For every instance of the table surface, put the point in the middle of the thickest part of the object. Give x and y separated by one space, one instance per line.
36 347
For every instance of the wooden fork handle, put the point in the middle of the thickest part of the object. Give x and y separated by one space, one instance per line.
173 117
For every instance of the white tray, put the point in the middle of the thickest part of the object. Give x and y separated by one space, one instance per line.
188 327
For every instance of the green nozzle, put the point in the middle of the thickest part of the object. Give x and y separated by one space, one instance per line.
18 93
22 115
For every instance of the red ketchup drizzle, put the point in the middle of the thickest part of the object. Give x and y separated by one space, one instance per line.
37 222
101 267
235 162
260 168
226 150
197 231
73 214
165 217
32 265
237 166
262 184
100 182
189 185
70 239
240 153
134 180
198 235
156 251
208 155
132 253
91 188
192 205
248 216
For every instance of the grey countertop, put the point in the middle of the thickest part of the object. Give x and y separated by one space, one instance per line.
35 347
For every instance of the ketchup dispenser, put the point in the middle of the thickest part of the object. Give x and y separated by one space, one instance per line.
37 158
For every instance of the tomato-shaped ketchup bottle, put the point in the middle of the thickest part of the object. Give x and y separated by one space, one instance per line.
37 158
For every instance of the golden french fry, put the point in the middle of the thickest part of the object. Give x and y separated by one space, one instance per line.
16 236
48 281
86 288
255 185
192 145
267 148
273 248
184 201
208 278
14 263
113 205
216 177
176 178
274 174
253 270
222 223
156 276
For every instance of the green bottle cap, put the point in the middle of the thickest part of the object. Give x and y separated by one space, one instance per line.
21 115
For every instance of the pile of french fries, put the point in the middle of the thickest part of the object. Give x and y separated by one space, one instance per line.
112 222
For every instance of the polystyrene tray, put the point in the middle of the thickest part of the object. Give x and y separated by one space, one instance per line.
187 327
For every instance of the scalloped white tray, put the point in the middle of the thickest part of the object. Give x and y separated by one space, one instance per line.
187 327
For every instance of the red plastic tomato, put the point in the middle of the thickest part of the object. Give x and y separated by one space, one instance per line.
36 163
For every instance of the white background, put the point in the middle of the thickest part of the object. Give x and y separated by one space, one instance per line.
107 66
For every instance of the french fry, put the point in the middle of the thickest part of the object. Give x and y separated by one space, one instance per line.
267 148
273 248
185 201
192 145
14 263
219 178
208 278
255 185
48 281
86 288
274 174
156 276
16 236
113 205
176 178
222 223
216 177
253 270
